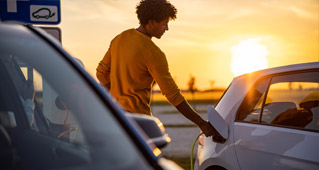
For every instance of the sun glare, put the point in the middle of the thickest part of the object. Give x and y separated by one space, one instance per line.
248 56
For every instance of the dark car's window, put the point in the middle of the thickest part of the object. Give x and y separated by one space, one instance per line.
290 100
46 112
66 125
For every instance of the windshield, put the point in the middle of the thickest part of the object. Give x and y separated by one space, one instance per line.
52 117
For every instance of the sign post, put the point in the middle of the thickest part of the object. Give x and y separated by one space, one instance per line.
54 31
45 12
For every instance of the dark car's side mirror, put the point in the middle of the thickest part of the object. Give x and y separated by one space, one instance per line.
152 127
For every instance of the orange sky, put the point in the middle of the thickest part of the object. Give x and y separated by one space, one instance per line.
200 40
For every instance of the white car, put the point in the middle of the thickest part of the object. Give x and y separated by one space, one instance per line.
270 121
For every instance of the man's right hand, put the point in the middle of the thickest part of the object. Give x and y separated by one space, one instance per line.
204 125
208 129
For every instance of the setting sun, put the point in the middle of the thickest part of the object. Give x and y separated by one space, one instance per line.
248 56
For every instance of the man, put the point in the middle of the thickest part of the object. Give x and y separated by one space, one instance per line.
133 62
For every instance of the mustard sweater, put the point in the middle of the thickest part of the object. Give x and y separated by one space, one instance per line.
129 68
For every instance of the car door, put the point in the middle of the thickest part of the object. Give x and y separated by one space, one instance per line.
277 124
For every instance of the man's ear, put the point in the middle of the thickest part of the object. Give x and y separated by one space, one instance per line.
151 22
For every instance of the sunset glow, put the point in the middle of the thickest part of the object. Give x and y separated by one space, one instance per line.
212 40
248 56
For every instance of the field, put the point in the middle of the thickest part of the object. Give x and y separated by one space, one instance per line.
200 97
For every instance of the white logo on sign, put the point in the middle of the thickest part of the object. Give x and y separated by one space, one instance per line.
43 13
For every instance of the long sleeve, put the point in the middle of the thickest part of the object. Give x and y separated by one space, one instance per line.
103 70
129 68
158 68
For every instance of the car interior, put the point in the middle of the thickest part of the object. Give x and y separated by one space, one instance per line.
23 133
299 111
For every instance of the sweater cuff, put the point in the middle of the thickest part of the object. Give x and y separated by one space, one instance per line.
178 100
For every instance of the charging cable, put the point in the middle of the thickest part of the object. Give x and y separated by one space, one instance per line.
192 167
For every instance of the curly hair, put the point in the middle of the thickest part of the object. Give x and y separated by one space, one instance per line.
157 10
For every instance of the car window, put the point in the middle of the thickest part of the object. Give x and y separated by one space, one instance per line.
49 115
250 109
290 100
45 110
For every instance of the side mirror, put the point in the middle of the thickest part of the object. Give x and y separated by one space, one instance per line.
219 124
153 128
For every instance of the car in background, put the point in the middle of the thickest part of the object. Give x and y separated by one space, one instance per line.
272 122
54 115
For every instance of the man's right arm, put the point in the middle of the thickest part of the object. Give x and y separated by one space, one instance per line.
193 116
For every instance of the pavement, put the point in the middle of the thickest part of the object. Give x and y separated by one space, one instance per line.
181 130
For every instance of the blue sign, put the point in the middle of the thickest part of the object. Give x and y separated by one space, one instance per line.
31 11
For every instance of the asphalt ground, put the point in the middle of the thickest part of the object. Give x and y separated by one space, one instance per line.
181 130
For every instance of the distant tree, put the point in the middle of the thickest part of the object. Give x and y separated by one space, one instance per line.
192 88
191 84
211 83
300 86
290 86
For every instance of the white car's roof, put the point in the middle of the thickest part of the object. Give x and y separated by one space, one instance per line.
245 81
281 69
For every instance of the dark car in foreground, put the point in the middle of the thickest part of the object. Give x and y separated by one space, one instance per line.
54 115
